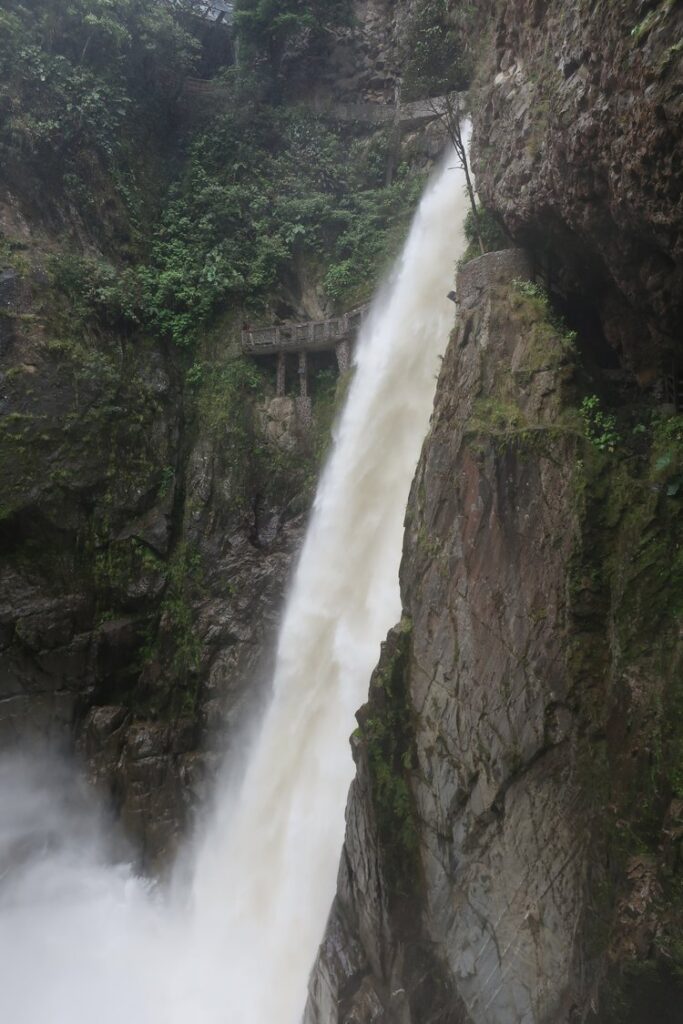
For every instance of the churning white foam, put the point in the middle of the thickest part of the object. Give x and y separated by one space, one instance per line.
82 941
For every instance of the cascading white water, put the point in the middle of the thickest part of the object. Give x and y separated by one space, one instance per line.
80 940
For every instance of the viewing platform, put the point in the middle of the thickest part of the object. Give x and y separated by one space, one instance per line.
335 334
312 336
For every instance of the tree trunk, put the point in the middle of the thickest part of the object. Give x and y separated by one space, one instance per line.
451 115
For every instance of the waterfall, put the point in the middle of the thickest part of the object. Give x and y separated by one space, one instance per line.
81 940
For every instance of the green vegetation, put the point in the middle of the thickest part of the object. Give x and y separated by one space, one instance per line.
531 299
485 227
88 295
626 597
263 189
260 192
503 424
221 393
222 402
497 417
437 52
535 292
153 234
651 19
78 82
268 28
625 608
91 94
503 417
600 426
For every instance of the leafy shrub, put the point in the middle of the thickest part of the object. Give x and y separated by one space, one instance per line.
490 229
536 295
531 290
267 29
492 233
94 293
600 426
259 191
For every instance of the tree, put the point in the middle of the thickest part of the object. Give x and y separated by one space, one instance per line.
450 110
438 68
267 29
73 78
436 49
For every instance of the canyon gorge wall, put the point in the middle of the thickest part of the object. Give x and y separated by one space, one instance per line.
513 846
143 563
154 493
577 147
513 834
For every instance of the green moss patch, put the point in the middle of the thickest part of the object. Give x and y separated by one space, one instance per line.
626 659
388 736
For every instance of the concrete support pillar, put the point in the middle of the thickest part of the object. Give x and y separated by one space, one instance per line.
304 413
280 379
343 352
303 375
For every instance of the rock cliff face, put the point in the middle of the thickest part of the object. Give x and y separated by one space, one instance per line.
143 562
473 809
363 63
513 849
478 878
577 147
513 843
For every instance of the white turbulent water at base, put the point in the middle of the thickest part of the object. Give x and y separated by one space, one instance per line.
82 941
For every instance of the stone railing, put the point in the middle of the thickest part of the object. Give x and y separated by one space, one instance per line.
407 115
314 336
210 10
219 10
477 276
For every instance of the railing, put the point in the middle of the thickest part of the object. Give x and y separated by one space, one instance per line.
409 115
314 335
224 10
210 10
205 87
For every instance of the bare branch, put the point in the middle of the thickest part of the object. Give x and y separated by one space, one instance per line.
452 116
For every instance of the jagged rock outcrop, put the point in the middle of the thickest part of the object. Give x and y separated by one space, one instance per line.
491 866
487 827
577 147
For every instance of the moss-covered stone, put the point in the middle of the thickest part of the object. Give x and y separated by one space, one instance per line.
626 599
387 734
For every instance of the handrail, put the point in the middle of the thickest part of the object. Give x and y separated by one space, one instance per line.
313 334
